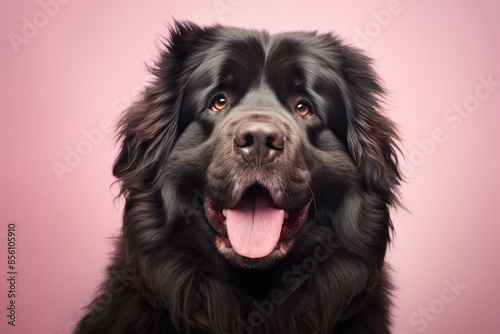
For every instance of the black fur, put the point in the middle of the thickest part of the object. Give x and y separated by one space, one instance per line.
171 272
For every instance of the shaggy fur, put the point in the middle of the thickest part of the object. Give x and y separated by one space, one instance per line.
293 118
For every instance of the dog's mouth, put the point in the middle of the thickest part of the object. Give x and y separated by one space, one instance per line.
256 226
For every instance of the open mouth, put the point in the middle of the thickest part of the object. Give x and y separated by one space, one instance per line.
256 226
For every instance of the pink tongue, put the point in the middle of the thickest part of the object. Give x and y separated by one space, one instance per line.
254 227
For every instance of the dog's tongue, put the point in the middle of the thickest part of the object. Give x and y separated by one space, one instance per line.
254 226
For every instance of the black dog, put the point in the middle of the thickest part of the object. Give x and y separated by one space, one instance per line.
258 173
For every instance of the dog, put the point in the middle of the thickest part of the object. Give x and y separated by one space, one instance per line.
258 173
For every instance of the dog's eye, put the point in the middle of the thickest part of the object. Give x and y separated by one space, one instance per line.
219 103
302 108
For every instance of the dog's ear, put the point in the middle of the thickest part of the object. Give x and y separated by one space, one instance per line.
149 127
371 137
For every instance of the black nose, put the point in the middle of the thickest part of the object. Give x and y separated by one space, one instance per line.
259 142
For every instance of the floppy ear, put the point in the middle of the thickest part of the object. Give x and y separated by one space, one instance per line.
149 128
371 137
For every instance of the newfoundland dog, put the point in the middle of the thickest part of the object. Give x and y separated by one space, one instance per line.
258 174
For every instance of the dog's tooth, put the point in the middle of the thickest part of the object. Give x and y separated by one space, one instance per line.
286 215
224 212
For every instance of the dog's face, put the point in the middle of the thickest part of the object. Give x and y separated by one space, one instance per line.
261 144
262 114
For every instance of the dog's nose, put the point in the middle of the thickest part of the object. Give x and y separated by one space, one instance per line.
259 142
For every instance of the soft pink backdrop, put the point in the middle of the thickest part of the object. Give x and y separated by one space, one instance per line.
85 63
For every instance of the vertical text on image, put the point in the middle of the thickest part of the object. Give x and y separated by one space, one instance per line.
11 273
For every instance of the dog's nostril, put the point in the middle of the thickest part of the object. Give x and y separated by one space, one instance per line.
249 140
269 142
275 143
243 140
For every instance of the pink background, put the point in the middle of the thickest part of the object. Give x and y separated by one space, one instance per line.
85 63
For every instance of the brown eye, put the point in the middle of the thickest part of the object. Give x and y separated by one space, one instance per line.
219 103
302 108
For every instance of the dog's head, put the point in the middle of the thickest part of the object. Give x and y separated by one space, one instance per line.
256 144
